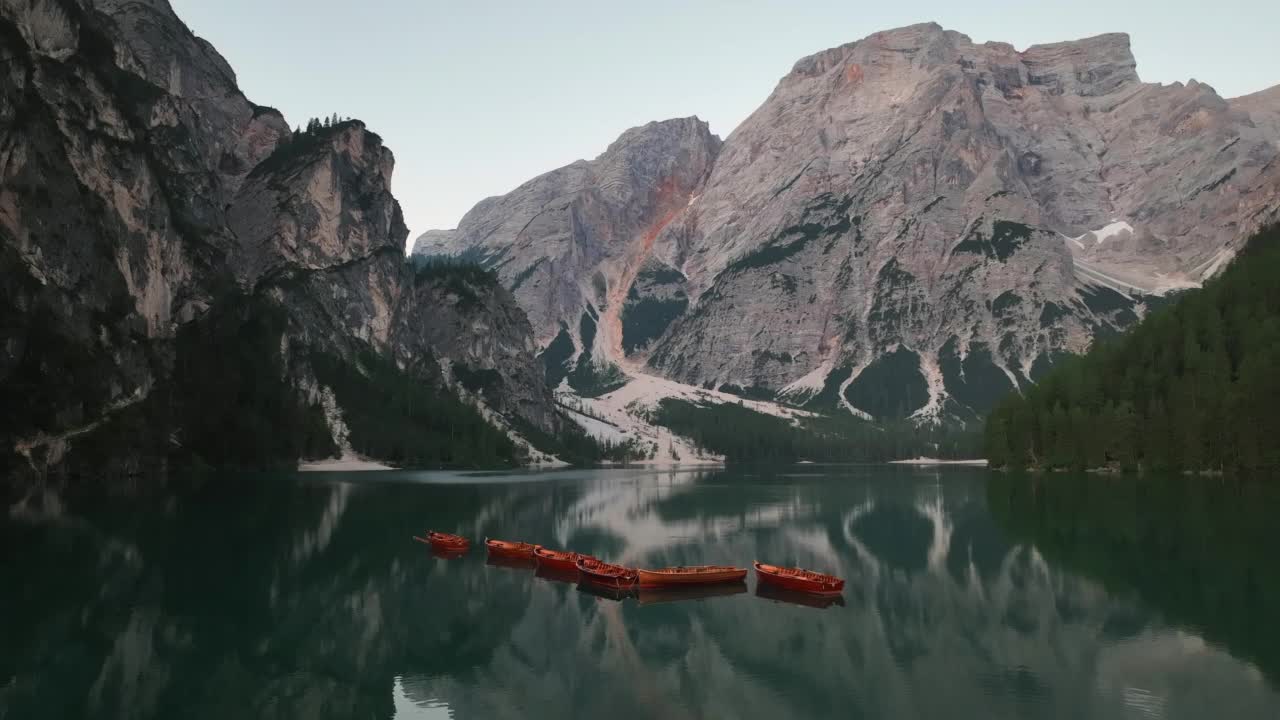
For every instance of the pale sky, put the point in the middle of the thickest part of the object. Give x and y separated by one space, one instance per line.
476 97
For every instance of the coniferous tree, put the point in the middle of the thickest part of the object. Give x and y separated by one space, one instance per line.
1195 386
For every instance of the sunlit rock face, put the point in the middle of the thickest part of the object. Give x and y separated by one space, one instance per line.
944 214
141 189
319 227
574 240
1264 110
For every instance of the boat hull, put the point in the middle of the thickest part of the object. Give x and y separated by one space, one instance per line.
677 577
558 561
613 581
604 574
797 580
515 551
445 541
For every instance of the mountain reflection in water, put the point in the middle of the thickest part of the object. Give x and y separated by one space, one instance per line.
306 596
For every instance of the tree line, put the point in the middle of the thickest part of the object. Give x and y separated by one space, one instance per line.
408 420
1195 386
315 124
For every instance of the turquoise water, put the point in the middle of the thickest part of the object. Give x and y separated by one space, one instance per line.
968 595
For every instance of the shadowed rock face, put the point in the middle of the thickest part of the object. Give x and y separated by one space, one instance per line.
141 189
320 229
915 190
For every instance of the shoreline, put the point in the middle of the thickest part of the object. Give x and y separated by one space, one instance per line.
351 463
348 463
927 462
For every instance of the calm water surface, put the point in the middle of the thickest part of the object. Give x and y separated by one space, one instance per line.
968 596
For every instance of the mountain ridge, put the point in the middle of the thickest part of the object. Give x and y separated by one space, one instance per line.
974 210
148 209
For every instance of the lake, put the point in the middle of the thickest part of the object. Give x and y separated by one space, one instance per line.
969 594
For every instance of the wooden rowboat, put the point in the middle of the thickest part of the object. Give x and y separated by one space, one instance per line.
694 575
510 549
557 559
799 579
445 541
602 573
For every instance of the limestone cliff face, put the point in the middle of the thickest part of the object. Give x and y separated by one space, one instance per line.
320 231
140 189
570 243
916 223
431 239
1264 110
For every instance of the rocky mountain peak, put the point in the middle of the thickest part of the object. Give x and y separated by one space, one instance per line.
1087 67
660 134
907 41
429 241
1263 108
1090 67
888 66
168 248
344 212
569 243
910 224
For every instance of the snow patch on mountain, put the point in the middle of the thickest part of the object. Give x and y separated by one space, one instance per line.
1101 235
932 410
601 430
844 398
626 415
809 384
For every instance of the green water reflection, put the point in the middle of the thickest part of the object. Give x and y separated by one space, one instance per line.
966 597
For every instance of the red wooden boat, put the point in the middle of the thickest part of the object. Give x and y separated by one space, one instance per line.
510 549
557 559
799 580
602 573
445 541
694 575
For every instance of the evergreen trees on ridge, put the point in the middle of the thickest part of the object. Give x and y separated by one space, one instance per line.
1196 386
315 125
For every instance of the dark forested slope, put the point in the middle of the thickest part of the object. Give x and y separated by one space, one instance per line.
185 279
1195 386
